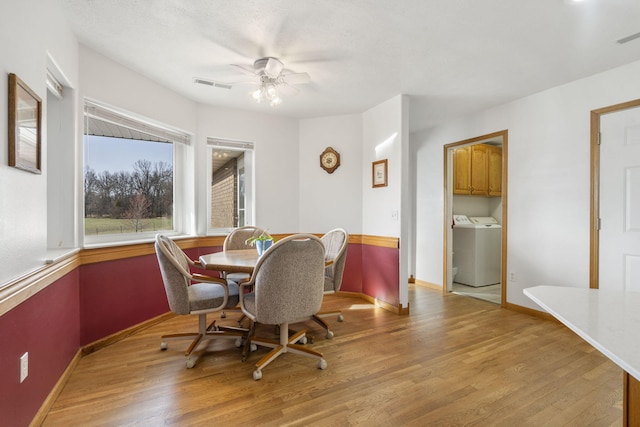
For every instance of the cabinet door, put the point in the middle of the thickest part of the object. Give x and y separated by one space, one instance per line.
495 170
479 174
462 170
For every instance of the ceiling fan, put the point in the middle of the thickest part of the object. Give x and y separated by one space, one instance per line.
270 76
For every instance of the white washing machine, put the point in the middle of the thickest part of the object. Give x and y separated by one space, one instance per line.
477 245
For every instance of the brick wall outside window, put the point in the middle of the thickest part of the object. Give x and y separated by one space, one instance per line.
224 191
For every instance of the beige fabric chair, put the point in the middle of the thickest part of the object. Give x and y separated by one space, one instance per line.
236 240
287 283
195 294
335 243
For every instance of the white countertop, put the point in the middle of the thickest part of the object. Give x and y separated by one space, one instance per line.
608 320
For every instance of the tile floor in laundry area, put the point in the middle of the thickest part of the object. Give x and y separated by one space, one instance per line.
489 293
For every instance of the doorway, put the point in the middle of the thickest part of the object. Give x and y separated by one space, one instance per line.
476 194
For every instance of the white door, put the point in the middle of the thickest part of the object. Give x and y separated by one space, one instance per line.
619 254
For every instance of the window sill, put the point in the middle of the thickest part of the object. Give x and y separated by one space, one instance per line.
57 255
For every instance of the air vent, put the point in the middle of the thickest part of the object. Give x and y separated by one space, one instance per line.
212 83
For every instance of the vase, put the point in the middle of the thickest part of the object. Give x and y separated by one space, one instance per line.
263 245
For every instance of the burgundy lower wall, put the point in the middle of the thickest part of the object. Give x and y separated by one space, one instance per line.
381 273
352 276
100 299
47 325
118 294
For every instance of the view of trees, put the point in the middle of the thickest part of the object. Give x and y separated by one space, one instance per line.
146 192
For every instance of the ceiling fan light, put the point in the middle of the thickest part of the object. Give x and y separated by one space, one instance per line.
257 95
271 91
275 101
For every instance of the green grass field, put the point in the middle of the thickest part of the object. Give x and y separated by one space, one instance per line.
95 226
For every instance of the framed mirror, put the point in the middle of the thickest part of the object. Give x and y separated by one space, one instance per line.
25 126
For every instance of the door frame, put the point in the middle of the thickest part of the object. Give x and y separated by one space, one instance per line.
448 210
594 232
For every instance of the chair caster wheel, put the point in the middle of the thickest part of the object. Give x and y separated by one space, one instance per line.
253 348
223 315
257 374
329 335
322 364
163 346
340 318
190 363
238 343
303 340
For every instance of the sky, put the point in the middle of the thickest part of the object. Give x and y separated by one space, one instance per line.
116 154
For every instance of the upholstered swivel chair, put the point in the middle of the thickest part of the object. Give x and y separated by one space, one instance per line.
195 294
237 240
287 287
335 243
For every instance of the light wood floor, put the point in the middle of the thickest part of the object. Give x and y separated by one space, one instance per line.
454 361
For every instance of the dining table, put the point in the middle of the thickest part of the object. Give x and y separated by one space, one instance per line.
235 261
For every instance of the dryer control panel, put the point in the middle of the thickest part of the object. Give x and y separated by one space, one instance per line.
484 220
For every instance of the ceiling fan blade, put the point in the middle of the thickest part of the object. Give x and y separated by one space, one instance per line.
273 68
296 78
288 90
245 68
247 82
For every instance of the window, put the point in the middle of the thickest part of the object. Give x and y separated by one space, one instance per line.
230 190
129 174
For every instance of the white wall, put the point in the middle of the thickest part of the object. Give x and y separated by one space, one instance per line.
23 195
382 139
332 200
548 178
386 211
276 156
110 83
275 139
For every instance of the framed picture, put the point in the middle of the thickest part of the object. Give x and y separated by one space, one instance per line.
25 126
379 173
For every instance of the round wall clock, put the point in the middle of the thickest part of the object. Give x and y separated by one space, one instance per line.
329 160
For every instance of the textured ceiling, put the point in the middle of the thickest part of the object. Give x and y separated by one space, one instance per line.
452 57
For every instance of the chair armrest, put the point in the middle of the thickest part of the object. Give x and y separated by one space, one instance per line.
246 283
202 278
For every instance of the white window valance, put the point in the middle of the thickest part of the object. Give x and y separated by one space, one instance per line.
101 120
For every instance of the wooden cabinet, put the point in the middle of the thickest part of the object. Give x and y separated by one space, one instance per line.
477 170
494 170
461 170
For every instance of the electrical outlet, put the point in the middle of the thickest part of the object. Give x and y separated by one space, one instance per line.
24 366
512 276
